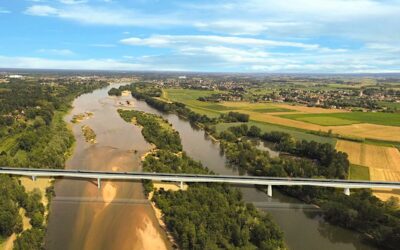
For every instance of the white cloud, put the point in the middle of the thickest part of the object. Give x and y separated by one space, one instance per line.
73 1
218 59
179 40
57 52
366 20
102 16
243 27
383 47
252 35
89 64
41 10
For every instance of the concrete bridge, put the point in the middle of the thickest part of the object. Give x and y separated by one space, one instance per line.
194 178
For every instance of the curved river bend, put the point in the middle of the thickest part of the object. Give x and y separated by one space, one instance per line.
115 217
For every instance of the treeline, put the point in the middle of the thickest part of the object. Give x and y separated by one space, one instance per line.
313 160
115 91
13 198
332 164
169 107
155 129
147 92
361 211
32 134
235 117
205 216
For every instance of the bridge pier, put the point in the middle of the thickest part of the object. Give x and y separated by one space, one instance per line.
33 178
98 183
181 185
347 191
269 191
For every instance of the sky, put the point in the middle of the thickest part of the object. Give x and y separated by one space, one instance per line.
262 36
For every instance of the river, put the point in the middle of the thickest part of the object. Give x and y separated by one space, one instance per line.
302 224
116 216
83 217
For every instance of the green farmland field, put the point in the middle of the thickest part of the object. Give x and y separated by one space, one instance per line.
189 98
271 109
357 172
336 119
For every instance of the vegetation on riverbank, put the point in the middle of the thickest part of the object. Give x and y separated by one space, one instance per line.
150 95
155 129
204 216
33 134
115 92
316 160
362 212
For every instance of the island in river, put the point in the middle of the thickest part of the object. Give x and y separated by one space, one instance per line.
118 215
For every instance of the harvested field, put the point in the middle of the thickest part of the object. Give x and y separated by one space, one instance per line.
268 113
383 162
310 110
365 130
373 131
380 118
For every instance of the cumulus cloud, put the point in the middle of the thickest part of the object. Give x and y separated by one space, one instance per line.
251 35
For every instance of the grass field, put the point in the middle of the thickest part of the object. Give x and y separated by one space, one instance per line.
357 172
189 98
355 125
390 104
336 119
7 143
265 127
271 110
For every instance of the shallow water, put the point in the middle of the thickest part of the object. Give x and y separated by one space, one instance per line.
85 217
115 217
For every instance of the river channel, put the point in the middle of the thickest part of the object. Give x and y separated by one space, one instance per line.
302 224
115 216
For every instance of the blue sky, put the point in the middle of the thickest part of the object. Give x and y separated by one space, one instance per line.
309 36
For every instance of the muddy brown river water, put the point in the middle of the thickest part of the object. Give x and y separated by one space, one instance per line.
114 216
83 217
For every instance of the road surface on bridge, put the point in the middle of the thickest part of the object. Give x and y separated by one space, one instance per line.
194 178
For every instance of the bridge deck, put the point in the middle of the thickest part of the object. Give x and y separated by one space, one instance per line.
192 178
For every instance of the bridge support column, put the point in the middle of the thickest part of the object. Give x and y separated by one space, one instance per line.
33 178
181 185
98 183
269 191
347 191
